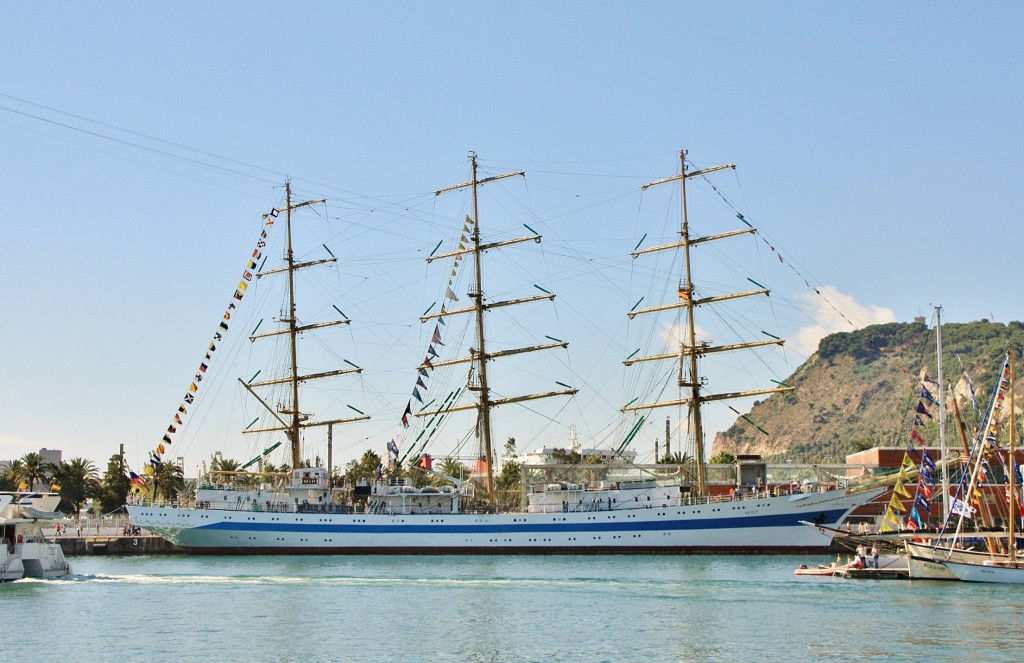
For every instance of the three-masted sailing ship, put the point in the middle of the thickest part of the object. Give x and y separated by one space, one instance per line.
627 516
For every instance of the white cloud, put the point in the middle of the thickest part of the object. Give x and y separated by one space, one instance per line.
828 321
673 334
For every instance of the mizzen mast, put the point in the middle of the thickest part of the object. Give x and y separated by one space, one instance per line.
480 356
296 419
689 351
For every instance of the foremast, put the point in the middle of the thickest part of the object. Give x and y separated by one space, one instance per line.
294 420
689 351
479 356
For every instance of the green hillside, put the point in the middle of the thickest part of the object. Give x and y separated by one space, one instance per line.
860 390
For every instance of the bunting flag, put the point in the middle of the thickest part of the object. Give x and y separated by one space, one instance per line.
423 370
925 489
900 489
927 461
918 422
916 437
921 409
915 516
896 505
927 395
923 502
243 285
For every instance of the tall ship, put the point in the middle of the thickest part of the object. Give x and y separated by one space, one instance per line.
609 507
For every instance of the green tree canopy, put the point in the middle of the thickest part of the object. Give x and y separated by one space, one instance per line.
114 489
13 475
364 468
37 470
79 480
167 480
723 458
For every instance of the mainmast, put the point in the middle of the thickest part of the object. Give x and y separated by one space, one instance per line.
689 352
479 356
296 419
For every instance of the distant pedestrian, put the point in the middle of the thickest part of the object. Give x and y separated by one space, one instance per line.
861 561
874 555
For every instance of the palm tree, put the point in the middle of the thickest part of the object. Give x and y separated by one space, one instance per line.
14 475
79 479
453 468
36 468
168 480
677 458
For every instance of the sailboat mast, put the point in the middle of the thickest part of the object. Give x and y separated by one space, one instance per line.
1012 529
292 333
477 295
942 414
696 425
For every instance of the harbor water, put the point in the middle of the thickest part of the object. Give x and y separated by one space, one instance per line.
502 608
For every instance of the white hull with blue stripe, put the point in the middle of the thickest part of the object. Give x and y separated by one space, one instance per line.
766 524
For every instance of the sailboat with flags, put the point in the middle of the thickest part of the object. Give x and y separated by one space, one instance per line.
622 511
955 553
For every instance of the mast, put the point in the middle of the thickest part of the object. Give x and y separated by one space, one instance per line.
297 421
479 356
689 352
477 295
1012 529
942 414
293 332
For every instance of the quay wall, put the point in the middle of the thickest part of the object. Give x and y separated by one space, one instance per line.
116 545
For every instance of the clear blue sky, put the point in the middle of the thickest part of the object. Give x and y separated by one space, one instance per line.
878 146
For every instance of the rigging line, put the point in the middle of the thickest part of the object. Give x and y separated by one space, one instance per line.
505 164
142 135
547 268
145 148
768 241
173 144
134 161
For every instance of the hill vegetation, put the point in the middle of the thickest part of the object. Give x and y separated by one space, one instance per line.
861 389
